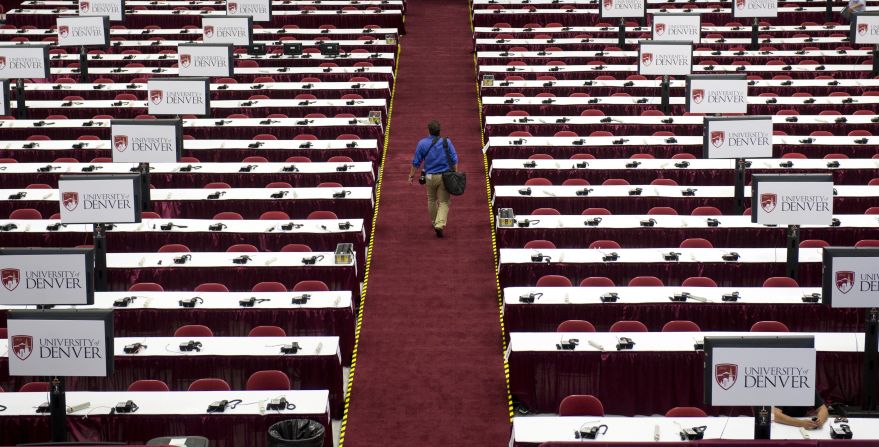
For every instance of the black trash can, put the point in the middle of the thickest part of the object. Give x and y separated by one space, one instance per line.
296 432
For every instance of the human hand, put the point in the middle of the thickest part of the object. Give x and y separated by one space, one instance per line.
820 420
410 180
810 424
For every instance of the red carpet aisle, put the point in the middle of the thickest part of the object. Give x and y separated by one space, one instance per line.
429 369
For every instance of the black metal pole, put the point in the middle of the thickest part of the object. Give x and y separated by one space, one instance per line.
83 65
828 11
666 92
793 251
755 40
57 410
621 34
871 349
20 100
739 188
99 238
876 60
147 202
762 422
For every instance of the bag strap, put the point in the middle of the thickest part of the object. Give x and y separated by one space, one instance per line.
448 153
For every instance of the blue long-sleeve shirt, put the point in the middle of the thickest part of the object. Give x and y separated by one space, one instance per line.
435 161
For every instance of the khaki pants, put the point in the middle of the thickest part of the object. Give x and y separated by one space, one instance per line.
437 200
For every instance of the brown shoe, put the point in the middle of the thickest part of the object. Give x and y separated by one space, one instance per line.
439 232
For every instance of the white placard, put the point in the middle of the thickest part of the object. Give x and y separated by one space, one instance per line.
761 375
792 199
749 137
717 94
622 8
260 10
851 277
677 27
55 347
4 97
113 9
100 198
178 96
83 31
754 8
46 276
146 141
24 61
234 30
673 58
204 60
865 28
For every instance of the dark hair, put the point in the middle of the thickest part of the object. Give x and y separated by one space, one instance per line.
434 128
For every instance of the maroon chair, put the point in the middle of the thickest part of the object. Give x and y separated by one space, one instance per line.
596 212
575 326
174 248
217 185
279 185
148 385
274 215
872 210
268 286
321 214
706 211
25 214
696 242
267 331
581 405
575 182
268 381
780 281
604 244
298 248
311 285
150 215
211 287
662 211
814 243
539 244
867 243
146 287
242 248
685 412
546 212
553 281
646 281
38 186
538 181
329 185
628 326
194 330
664 182
681 326
34 387
597 281
228 215
209 385
698 281
769 326
615 182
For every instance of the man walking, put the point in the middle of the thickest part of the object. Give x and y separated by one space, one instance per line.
431 151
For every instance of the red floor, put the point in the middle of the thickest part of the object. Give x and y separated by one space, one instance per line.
429 368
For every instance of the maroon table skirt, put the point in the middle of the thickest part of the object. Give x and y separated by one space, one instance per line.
646 383
709 316
640 205
713 443
179 21
255 112
654 237
243 78
548 130
267 62
518 20
305 373
679 109
150 242
206 209
596 71
197 179
207 132
684 177
675 91
836 59
237 279
241 95
667 151
726 274
222 430
304 322
204 155
600 46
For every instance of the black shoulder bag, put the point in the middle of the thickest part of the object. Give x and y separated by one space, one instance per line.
455 182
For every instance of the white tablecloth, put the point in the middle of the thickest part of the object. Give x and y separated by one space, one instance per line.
655 255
